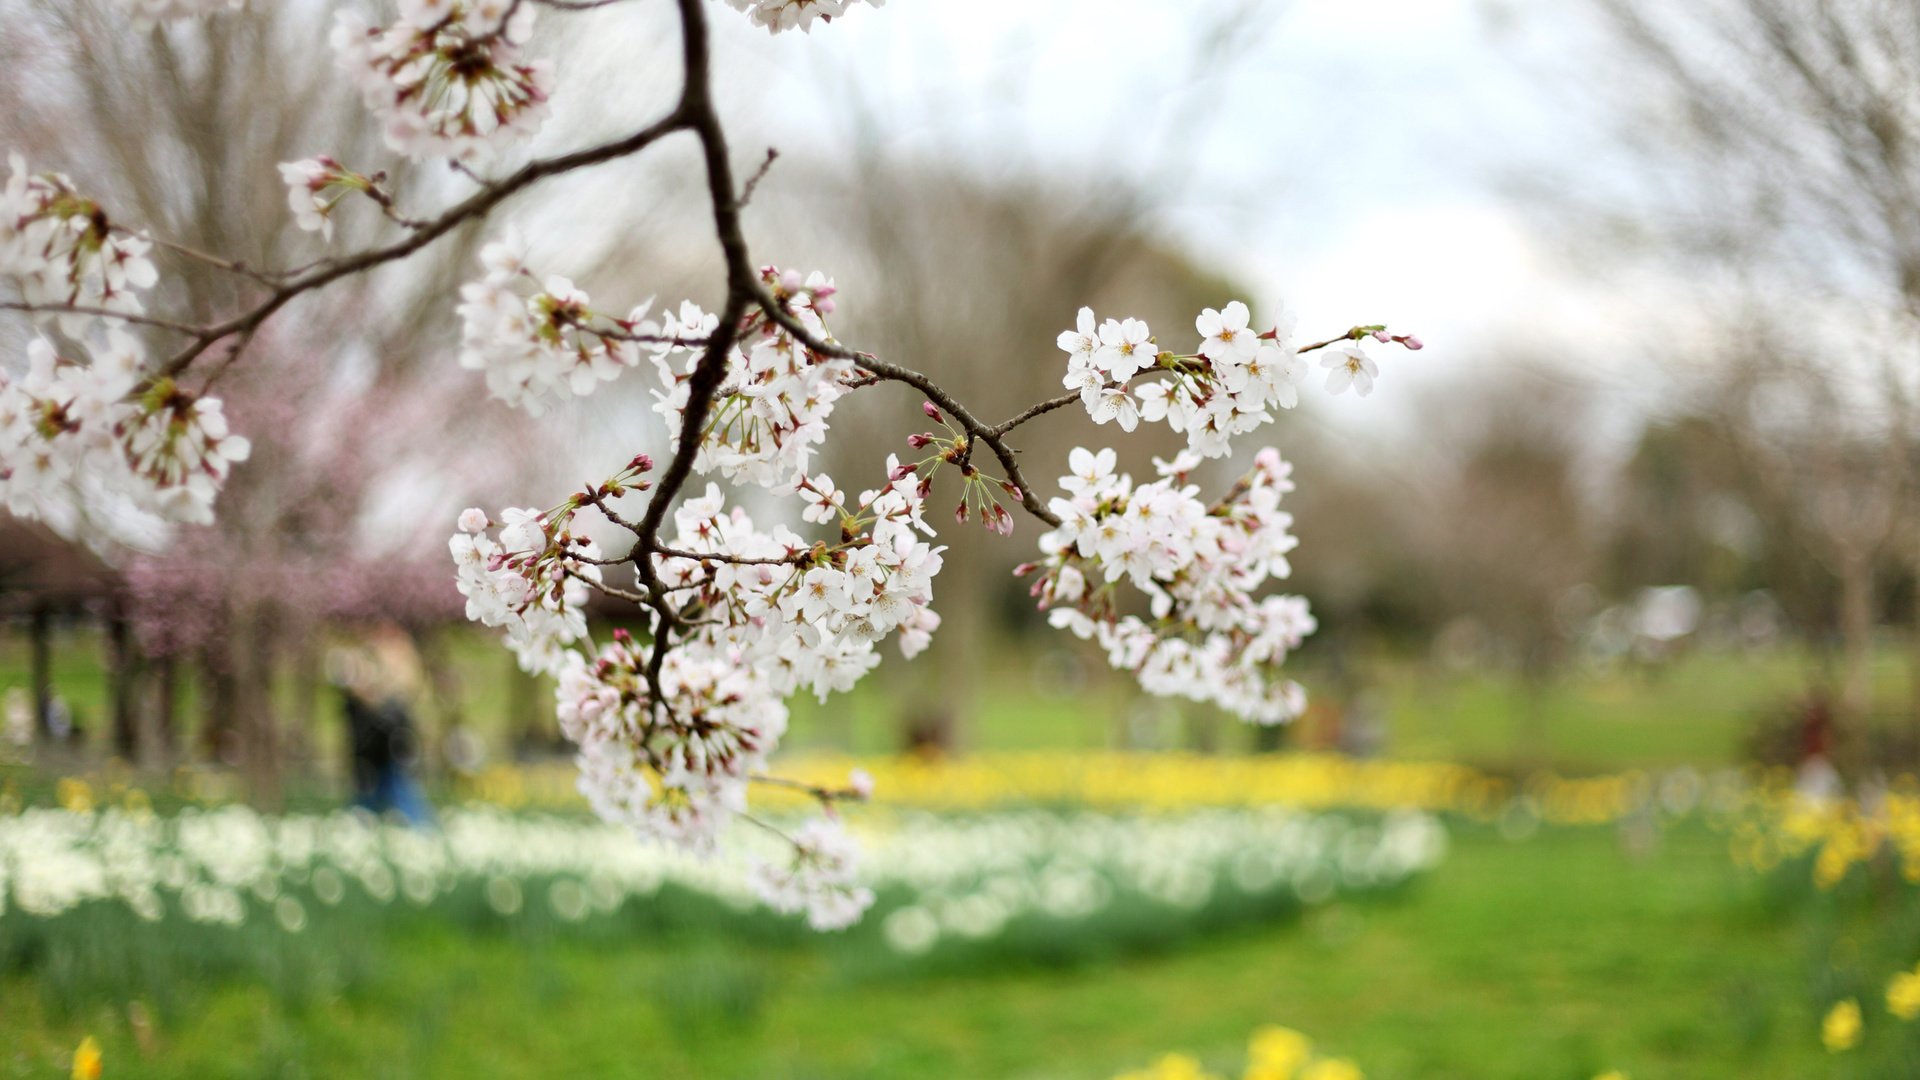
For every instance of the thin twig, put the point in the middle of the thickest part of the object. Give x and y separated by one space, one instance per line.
105 313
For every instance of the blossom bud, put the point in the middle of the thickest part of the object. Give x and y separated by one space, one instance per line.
641 463
791 281
932 413
1412 343
1025 568
473 520
620 635
900 471
960 513
918 441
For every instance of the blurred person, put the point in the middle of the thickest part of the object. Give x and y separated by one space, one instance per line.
19 716
382 743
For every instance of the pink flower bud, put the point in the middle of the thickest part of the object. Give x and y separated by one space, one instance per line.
919 441
932 413
473 520
960 513
1025 568
1412 343
641 463
900 471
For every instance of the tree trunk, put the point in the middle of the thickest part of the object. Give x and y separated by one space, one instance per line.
40 633
162 739
218 709
1856 638
526 718
448 698
122 672
309 684
258 721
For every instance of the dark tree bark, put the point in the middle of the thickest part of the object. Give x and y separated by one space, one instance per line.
40 631
123 670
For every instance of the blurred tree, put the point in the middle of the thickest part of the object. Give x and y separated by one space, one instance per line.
1507 534
1782 145
351 397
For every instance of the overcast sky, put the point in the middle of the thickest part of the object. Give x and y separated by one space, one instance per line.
1349 157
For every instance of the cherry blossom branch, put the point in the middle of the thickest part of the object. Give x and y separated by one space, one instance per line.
478 205
795 559
102 312
818 791
1035 411
696 112
975 428
759 174
614 591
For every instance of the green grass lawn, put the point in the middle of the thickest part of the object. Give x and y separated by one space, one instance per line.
1558 956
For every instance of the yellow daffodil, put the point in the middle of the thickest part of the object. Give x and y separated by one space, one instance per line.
1841 1029
1903 995
86 1060
1275 1053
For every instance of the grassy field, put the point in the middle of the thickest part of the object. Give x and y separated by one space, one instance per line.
1696 710
1556 956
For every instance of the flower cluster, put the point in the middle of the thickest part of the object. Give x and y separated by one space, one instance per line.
1225 387
540 341
779 15
74 435
670 734
61 249
676 773
1207 637
821 878
1222 389
773 408
812 616
448 79
84 431
532 582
